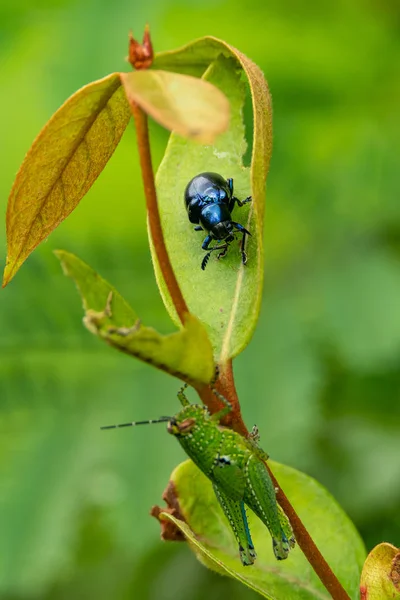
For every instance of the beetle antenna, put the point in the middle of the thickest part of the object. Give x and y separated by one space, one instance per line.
149 422
205 260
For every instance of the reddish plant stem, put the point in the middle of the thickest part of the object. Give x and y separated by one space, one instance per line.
142 133
226 386
225 383
307 544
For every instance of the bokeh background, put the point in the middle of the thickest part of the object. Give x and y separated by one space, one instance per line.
321 376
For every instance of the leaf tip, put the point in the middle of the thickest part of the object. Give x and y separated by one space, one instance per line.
62 256
59 253
9 271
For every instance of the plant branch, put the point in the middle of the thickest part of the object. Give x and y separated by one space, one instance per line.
225 386
142 132
308 546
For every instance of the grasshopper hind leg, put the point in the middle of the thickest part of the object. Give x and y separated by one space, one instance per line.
235 512
260 496
286 527
252 552
281 547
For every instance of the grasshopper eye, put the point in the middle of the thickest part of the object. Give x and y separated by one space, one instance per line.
186 426
180 428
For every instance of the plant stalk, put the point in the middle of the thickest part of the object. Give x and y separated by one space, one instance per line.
225 386
308 546
142 133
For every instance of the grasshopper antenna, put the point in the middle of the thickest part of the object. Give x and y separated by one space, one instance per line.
149 422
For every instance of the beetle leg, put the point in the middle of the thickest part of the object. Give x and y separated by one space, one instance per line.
242 250
245 201
223 253
244 231
240 228
207 256
198 228
239 202
223 247
206 242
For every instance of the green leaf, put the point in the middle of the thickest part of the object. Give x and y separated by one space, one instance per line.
211 538
64 161
186 354
230 292
380 578
187 105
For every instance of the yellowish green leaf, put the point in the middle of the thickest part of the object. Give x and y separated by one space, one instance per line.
380 577
64 161
186 354
187 105
230 293
206 528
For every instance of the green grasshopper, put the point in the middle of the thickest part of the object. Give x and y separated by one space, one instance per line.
236 467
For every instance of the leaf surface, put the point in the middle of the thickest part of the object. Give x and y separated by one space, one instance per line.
208 532
64 161
187 105
226 296
186 354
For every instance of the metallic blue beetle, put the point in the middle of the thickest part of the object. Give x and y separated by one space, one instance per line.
209 201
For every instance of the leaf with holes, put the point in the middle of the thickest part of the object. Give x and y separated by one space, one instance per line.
230 293
186 354
64 161
207 530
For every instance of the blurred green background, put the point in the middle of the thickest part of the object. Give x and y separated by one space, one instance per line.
321 376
